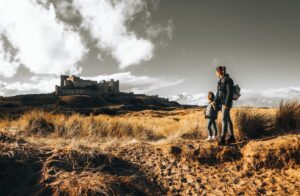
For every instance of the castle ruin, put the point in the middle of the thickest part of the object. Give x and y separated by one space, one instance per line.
72 85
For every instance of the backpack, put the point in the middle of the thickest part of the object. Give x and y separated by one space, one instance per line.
236 92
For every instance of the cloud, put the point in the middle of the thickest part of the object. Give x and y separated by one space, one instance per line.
65 10
138 84
163 33
107 21
44 44
8 68
34 85
49 36
267 98
128 83
186 99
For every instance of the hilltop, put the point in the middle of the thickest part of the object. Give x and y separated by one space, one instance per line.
77 95
83 104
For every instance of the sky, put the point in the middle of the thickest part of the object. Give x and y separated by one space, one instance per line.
164 47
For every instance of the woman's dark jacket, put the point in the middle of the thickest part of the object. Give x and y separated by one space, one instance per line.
225 91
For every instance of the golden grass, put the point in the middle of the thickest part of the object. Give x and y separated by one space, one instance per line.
151 125
288 115
250 123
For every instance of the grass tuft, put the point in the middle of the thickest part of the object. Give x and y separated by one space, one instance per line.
250 123
288 115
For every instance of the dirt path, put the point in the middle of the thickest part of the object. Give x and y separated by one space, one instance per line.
196 172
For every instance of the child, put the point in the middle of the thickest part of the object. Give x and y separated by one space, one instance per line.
211 115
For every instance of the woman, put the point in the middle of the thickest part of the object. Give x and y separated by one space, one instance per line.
224 100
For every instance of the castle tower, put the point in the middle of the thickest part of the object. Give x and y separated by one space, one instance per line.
62 80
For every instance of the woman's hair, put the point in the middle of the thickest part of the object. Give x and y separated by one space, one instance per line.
211 96
221 69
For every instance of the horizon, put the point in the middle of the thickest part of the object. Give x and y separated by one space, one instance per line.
153 47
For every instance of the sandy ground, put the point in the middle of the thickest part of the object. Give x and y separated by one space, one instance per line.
221 172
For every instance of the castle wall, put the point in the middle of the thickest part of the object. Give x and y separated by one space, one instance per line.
66 92
82 84
75 86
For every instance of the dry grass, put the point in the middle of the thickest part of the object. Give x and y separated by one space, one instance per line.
56 154
250 123
254 123
288 115
38 123
152 125
28 169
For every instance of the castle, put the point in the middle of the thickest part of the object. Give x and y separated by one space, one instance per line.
72 85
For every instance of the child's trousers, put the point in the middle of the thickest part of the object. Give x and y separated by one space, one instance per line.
212 123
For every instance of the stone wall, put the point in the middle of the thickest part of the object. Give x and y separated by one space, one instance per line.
72 85
66 92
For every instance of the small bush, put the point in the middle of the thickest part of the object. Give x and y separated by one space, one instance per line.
288 115
250 123
37 125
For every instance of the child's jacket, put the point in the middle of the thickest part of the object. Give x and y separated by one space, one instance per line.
211 111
